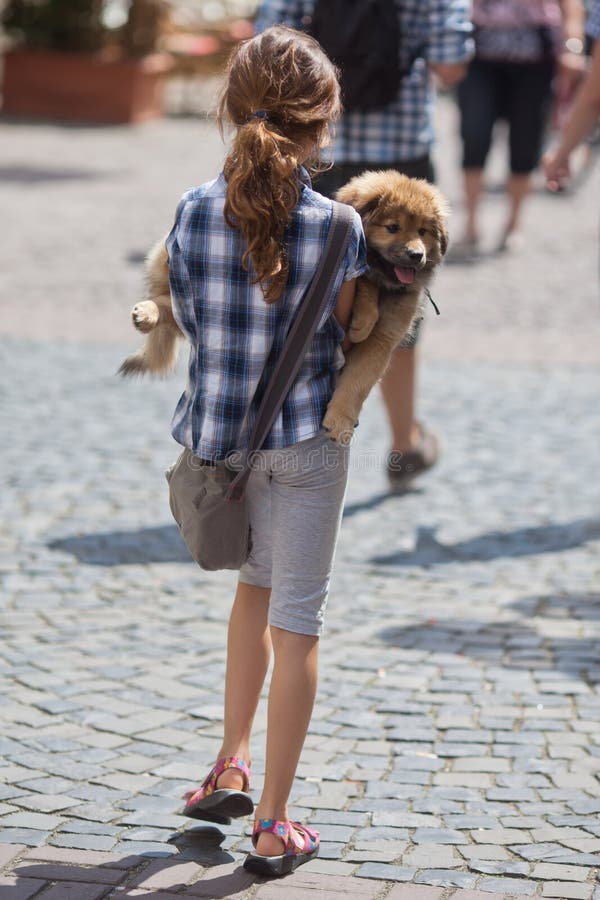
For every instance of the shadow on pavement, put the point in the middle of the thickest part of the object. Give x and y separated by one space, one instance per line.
113 548
428 551
163 543
125 875
514 643
154 875
36 174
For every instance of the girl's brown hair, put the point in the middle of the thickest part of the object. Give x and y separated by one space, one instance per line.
281 94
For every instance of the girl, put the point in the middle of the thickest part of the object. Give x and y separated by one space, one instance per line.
242 253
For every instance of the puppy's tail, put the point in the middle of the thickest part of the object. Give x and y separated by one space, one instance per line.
158 356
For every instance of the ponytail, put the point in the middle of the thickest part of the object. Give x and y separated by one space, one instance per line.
288 74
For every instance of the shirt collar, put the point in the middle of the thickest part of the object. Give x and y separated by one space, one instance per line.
303 177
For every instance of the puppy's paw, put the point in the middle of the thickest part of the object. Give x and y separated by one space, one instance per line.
339 426
360 329
145 315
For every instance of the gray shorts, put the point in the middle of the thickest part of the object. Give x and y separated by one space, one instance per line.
295 500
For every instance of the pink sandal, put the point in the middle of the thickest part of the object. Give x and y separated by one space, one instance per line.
301 844
220 805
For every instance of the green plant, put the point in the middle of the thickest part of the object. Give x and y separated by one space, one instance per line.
56 24
82 25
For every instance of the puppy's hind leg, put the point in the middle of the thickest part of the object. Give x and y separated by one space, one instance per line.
154 316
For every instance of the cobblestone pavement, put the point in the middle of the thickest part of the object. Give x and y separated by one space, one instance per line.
455 746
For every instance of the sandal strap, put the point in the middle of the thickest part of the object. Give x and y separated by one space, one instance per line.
209 785
297 838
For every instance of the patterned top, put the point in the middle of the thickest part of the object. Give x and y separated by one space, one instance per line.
593 25
235 334
436 31
517 30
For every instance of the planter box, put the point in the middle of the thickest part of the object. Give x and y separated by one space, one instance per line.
83 88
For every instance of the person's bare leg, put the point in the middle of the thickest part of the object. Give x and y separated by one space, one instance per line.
473 187
518 189
291 700
248 656
398 388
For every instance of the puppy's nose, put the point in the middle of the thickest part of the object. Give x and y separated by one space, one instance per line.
415 256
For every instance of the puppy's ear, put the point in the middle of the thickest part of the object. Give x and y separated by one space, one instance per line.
367 208
442 235
355 194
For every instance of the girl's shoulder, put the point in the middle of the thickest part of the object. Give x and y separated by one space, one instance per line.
215 188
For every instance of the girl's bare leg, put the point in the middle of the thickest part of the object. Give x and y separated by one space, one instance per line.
291 699
248 656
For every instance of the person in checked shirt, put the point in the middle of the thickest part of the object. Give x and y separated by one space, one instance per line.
435 41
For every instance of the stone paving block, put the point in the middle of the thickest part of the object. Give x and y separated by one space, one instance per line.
166 874
438 836
499 867
480 764
517 886
483 851
52 872
428 856
14 888
386 872
36 821
83 841
499 836
324 886
83 857
401 819
72 890
446 878
414 892
567 890
145 848
26 836
46 803
9 852
560 873
330 867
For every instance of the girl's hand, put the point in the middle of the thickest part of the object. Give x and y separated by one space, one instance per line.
556 170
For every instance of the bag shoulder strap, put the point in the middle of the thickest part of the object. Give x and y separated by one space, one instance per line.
299 337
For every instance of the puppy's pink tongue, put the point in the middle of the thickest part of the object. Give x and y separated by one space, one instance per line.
405 275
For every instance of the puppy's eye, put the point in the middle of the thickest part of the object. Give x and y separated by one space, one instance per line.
393 229
422 231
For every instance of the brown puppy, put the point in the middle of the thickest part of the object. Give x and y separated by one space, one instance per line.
404 223
395 210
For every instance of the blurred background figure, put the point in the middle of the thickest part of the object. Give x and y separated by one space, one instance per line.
584 115
522 49
434 40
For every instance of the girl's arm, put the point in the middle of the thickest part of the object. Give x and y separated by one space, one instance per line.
583 117
343 309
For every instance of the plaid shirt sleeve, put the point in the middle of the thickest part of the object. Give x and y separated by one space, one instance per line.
281 12
449 31
593 25
355 261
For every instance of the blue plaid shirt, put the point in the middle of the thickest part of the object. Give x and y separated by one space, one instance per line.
236 337
438 31
593 25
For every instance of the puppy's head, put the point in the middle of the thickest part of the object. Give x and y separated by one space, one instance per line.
405 225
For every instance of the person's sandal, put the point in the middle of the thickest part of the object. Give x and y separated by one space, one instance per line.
220 805
402 468
301 844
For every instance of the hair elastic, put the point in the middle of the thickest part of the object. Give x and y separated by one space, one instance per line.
259 114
